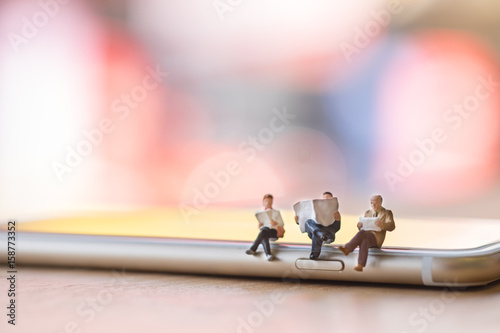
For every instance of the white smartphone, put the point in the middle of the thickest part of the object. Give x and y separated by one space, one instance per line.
431 252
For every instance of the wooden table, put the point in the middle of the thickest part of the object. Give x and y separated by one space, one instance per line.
56 300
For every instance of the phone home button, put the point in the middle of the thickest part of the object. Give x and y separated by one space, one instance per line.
319 265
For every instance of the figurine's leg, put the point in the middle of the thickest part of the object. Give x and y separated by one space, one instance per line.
259 239
368 241
316 229
356 240
314 232
269 233
317 242
311 227
329 232
266 245
321 230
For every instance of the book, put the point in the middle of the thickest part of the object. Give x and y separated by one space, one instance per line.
319 210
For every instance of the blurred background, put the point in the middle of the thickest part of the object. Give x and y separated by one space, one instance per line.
208 104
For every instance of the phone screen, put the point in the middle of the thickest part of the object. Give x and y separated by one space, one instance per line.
241 225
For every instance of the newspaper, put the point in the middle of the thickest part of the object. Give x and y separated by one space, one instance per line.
265 217
319 210
369 223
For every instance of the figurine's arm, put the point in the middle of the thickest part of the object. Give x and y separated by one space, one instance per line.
383 224
261 225
336 225
274 223
297 219
336 216
389 226
281 231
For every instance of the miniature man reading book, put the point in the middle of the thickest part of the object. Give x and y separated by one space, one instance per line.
372 229
270 225
320 218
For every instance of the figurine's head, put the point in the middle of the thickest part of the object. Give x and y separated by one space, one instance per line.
376 202
267 201
327 195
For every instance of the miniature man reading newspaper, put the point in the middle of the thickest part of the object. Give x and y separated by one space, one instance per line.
270 225
320 218
372 229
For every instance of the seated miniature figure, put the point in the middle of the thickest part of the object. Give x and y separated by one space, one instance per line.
320 219
271 227
373 227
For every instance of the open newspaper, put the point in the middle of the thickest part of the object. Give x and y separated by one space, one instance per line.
319 210
265 217
369 223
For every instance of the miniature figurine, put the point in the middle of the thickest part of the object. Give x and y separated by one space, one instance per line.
373 227
322 225
271 227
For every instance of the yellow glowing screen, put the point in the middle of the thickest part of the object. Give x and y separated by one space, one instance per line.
241 225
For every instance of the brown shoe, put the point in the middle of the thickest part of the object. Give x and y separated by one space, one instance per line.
344 250
358 268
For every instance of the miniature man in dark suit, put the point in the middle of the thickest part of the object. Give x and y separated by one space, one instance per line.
273 232
319 233
368 239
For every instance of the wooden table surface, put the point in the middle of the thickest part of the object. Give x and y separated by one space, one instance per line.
56 300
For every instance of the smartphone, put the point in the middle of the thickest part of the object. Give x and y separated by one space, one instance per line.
430 252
